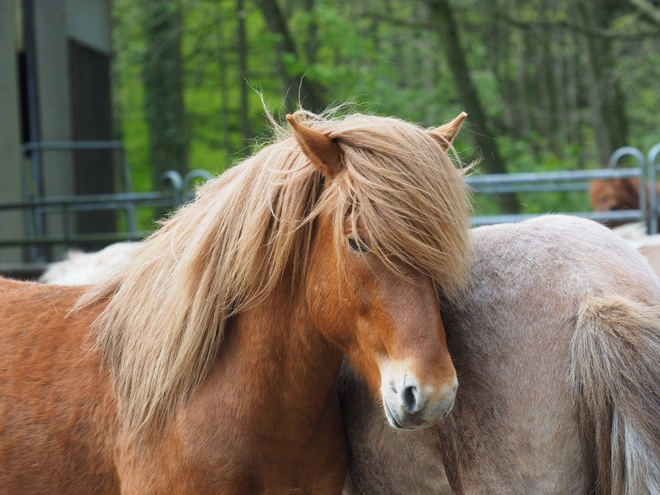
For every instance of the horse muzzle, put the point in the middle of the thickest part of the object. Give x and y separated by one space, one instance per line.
410 406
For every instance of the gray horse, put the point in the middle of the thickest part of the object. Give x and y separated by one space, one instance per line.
557 348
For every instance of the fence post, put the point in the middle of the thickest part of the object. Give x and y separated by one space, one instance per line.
173 179
189 181
641 160
652 159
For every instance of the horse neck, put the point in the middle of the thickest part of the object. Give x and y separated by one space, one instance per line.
282 346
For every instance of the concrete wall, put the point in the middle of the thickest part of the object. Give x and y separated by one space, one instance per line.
11 223
88 22
56 21
53 90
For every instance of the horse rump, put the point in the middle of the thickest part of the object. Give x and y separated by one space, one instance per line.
615 369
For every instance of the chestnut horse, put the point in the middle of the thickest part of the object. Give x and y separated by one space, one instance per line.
615 194
208 363
557 348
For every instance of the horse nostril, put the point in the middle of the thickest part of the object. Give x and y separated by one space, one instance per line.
409 398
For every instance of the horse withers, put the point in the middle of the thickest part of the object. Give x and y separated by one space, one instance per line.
556 344
208 362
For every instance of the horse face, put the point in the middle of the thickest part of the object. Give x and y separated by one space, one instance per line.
614 194
389 326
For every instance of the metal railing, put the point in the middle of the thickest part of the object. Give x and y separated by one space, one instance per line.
578 180
175 190
652 162
33 183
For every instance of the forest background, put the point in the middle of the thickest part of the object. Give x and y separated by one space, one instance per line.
547 84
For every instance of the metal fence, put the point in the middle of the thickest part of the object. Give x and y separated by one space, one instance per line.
579 180
176 189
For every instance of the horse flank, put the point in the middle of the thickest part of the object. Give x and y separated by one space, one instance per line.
168 308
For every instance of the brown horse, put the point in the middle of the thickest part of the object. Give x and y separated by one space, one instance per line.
614 195
208 363
557 348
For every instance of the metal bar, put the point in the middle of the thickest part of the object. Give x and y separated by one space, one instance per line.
91 199
35 147
78 239
189 180
557 181
37 186
641 161
601 216
66 221
115 205
71 145
528 187
173 180
128 187
561 176
625 151
652 163
65 205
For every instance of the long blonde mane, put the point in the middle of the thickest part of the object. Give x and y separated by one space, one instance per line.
168 309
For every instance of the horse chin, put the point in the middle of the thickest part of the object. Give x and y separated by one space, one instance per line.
410 421
400 419
394 423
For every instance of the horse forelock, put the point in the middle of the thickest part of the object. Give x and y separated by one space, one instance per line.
405 194
247 229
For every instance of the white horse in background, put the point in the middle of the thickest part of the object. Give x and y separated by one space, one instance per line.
80 268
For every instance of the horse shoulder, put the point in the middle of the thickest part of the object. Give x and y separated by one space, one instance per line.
56 403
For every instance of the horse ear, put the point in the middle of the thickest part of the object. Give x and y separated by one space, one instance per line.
446 133
322 151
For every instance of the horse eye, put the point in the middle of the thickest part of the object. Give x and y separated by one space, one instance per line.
356 246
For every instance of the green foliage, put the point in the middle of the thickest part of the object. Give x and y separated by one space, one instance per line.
528 67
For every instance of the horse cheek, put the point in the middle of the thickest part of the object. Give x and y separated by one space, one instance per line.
329 309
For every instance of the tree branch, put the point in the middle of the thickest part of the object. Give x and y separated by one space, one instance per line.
580 28
646 7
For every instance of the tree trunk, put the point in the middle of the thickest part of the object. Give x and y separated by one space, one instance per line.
606 97
442 16
163 85
223 83
308 92
312 38
242 47
551 117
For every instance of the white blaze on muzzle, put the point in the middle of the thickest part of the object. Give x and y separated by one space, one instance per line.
409 404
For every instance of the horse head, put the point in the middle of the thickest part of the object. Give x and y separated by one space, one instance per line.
372 298
614 195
